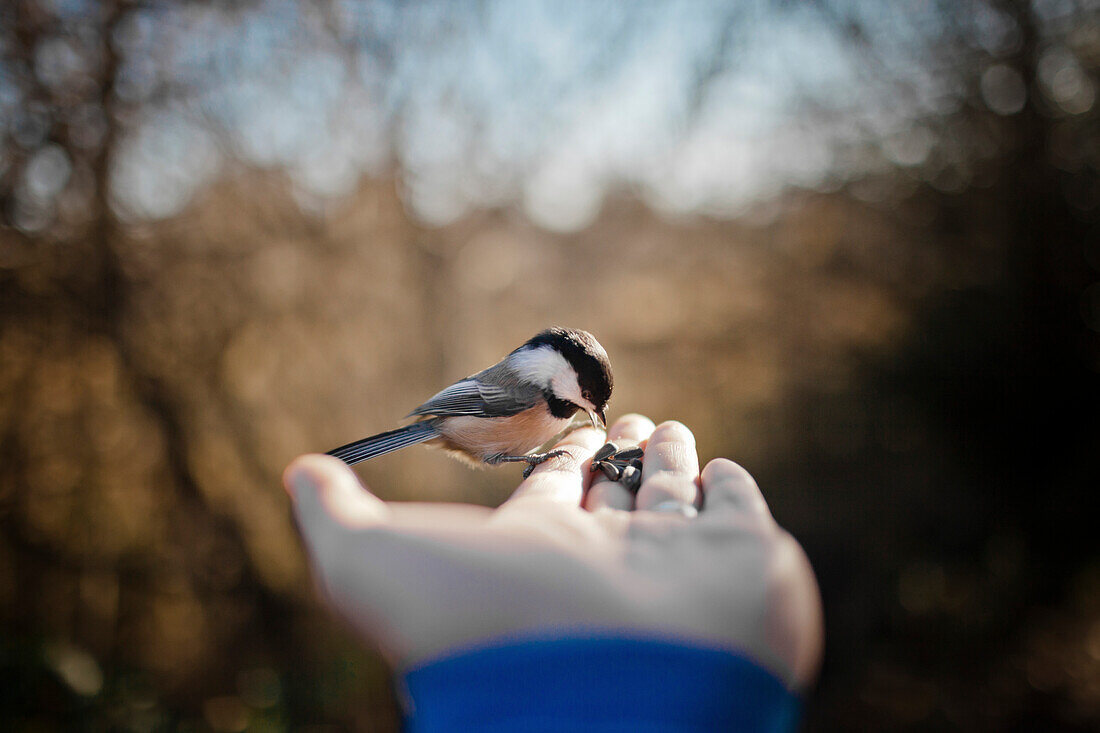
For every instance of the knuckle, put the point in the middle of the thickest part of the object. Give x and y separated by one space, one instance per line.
663 486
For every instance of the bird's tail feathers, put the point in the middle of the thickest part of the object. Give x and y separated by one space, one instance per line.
391 440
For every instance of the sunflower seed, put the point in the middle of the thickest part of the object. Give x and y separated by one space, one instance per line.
608 450
610 470
631 478
629 453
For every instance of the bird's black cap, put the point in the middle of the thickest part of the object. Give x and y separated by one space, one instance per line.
586 356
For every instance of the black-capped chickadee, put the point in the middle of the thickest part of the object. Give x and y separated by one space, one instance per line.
505 412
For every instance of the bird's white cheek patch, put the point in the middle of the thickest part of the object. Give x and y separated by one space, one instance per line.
542 365
566 387
546 365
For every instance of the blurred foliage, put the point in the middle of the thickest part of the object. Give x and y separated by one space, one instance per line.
236 232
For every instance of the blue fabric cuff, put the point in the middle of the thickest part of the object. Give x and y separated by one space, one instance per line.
596 684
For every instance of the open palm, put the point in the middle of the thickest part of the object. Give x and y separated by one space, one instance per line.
568 553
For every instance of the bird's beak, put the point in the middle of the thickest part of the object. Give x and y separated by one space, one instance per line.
598 415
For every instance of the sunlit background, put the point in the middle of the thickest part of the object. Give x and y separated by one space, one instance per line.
853 244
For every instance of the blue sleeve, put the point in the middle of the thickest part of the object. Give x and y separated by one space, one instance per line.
596 684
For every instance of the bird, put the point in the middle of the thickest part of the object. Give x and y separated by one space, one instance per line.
504 413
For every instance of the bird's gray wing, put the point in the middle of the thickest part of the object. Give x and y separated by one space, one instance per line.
474 396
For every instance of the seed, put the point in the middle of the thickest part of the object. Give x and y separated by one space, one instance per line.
631 478
608 450
610 470
629 453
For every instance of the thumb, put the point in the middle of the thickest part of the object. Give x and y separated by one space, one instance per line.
328 497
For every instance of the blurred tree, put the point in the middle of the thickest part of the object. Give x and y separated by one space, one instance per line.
996 164
112 540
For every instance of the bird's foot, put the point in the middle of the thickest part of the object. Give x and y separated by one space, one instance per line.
531 459
536 459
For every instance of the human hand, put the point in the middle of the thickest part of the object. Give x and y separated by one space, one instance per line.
566 552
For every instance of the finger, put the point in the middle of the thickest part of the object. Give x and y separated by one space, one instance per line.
563 478
627 431
727 487
328 496
670 469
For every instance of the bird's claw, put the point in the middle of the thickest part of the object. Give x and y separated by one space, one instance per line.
536 459
532 460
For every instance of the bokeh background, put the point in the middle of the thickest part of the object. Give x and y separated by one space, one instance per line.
853 244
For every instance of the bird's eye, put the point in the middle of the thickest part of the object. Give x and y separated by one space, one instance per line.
587 395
